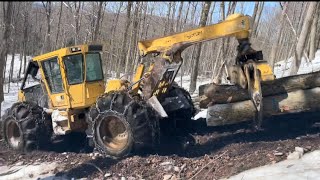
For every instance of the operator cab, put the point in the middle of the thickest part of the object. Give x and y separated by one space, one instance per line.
70 77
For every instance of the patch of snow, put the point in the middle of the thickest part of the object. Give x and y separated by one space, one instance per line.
282 69
201 114
186 82
30 172
11 96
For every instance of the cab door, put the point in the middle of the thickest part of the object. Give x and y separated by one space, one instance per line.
74 72
50 70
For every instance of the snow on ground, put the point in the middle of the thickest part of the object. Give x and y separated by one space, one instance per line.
282 69
186 82
43 171
12 96
308 167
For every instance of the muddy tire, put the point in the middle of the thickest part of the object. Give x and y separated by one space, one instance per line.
180 109
24 128
122 124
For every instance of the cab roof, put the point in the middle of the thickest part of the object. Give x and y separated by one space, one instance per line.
68 51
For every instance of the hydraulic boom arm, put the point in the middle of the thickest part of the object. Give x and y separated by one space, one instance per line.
247 72
236 25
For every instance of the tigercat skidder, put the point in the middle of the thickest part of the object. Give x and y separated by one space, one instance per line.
121 116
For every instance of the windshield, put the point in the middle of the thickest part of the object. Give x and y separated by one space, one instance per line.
74 68
93 67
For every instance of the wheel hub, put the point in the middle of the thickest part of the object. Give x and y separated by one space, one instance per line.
112 133
13 135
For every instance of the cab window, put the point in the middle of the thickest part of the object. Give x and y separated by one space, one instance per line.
74 68
93 67
53 75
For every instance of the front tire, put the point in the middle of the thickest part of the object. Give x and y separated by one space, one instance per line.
122 124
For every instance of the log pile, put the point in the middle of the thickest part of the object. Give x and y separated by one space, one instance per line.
229 104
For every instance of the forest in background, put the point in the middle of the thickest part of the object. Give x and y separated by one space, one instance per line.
280 30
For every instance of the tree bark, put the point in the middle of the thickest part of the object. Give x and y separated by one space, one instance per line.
59 24
313 36
166 27
178 24
220 60
256 5
7 14
292 102
219 94
302 38
47 42
123 54
203 21
97 27
133 38
276 44
256 24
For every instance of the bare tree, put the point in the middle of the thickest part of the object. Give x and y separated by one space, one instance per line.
77 16
122 60
276 44
302 38
7 15
59 24
256 23
133 38
179 16
203 21
97 27
313 37
47 42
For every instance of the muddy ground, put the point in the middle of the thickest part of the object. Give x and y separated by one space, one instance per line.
219 152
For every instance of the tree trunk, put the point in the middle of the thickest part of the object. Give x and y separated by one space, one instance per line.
47 42
292 102
220 60
58 30
130 56
313 36
256 24
7 14
203 21
178 24
166 26
97 27
171 29
219 94
276 44
256 5
123 54
302 38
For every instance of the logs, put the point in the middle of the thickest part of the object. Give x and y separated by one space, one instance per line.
229 104
292 102
220 94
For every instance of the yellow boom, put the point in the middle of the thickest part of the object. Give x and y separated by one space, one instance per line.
248 71
237 25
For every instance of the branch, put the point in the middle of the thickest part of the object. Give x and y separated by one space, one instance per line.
281 5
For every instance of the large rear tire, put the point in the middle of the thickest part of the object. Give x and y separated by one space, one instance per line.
177 126
122 124
180 109
26 127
